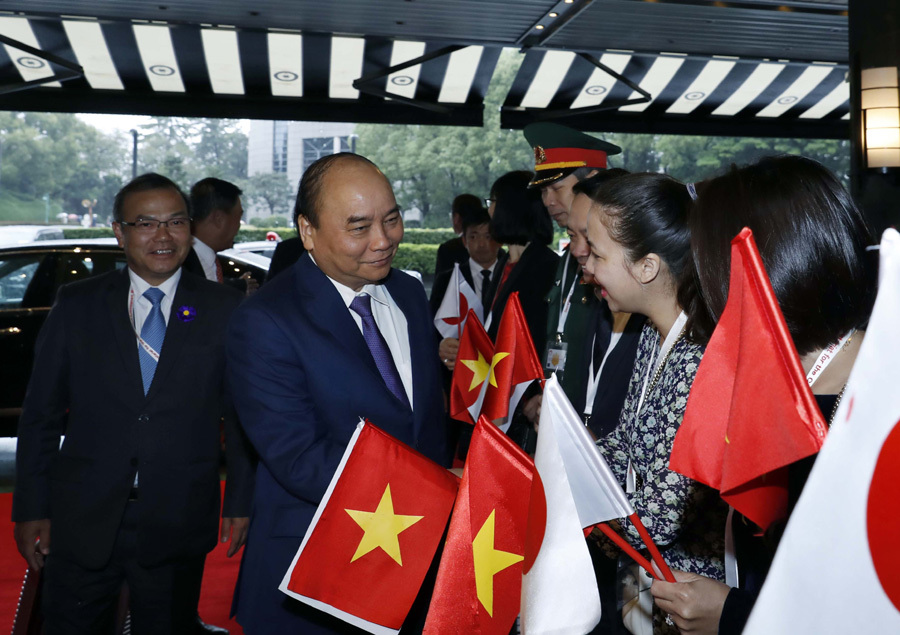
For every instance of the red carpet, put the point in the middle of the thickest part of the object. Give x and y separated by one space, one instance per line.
215 596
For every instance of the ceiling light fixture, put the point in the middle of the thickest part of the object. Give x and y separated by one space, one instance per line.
881 116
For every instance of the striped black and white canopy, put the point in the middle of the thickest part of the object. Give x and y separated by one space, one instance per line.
685 94
740 67
195 70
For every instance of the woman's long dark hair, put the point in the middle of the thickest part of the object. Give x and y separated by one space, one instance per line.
519 214
812 239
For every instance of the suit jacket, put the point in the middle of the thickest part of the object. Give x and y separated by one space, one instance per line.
532 276
309 377
286 253
87 385
449 252
579 324
613 386
442 281
192 263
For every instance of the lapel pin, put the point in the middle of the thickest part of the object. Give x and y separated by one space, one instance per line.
187 313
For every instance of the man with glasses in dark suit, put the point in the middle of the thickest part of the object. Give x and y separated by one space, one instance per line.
129 368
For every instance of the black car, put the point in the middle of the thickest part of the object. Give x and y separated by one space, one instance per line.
30 276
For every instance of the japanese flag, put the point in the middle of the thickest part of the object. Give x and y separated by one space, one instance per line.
837 569
458 299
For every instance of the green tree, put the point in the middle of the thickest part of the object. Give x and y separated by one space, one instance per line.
194 148
693 158
430 165
62 157
271 189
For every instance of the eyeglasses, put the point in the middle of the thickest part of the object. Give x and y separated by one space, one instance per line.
151 225
488 201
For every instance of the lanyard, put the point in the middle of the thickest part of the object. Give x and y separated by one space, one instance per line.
661 356
149 349
827 357
594 374
567 303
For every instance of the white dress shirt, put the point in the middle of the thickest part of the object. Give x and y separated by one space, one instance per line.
142 306
477 278
391 322
207 258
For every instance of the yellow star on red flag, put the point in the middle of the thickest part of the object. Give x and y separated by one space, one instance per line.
498 357
489 562
480 370
382 528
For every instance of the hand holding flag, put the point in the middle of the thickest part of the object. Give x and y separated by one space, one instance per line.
471 372
458 300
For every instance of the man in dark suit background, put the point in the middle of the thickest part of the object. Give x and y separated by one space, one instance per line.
481 269
216 213
129 367
338 336
287 252
454 250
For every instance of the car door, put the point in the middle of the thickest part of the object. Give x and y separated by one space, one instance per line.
25 283
29 281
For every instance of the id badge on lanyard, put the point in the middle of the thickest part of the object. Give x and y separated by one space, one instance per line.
555 357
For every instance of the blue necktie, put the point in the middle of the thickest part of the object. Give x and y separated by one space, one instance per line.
153 333
362 305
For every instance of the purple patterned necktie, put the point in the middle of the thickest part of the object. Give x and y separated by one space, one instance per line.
362 305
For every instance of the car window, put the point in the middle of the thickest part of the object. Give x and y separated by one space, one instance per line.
50 234
232 268
84 264
16 273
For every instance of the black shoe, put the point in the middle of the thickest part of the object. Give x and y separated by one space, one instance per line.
208 629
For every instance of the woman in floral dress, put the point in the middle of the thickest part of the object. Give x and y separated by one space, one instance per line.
640 244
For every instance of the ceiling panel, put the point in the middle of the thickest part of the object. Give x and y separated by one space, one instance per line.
760 66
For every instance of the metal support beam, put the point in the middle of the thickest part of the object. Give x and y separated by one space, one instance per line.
363 84
644 98
72 70
529 40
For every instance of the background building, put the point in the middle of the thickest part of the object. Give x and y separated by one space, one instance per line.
289 147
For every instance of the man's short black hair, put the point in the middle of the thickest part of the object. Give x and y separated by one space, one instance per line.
311 184
465 204
145 183
211 194
474 218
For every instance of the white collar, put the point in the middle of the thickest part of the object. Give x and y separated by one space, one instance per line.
376 291
168 287
474 266
203 249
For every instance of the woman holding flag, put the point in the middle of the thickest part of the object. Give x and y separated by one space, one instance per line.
640 244
812 241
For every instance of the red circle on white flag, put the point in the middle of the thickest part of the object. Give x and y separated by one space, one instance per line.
883 516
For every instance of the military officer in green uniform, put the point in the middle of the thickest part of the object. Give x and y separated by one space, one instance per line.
562 158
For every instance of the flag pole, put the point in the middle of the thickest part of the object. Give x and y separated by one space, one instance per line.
610 533
651 546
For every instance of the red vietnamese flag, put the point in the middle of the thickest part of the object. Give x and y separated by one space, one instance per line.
472 369
515 363
478 587
750 412
380 522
